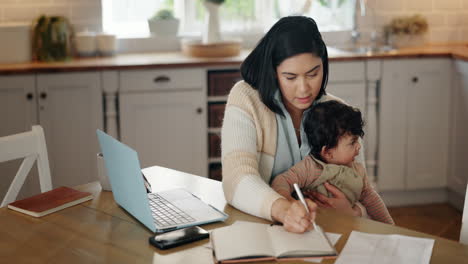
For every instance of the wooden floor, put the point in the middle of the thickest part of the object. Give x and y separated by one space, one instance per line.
436 219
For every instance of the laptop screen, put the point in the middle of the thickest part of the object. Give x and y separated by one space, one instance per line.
124 172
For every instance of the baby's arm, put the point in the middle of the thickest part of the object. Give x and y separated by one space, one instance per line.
301 173
376 208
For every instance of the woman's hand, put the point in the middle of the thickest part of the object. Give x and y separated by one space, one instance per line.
293 215
338 201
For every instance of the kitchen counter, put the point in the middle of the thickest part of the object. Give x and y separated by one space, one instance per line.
178 60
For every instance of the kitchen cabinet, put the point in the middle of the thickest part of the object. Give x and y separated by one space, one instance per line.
414 124
357 83
69 108
18 112
70 111
347 80
163 117
458 165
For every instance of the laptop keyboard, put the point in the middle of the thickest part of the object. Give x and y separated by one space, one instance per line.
165 213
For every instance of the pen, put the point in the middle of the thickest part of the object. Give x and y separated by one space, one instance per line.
301 198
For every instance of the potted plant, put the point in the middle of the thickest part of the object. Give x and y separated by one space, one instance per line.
163 23
51 39
406 31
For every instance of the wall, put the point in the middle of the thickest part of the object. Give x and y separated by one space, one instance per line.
81 13
447 19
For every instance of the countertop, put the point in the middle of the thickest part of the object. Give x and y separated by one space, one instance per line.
179 60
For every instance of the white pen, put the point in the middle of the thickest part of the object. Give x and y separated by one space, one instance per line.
301 198
316 227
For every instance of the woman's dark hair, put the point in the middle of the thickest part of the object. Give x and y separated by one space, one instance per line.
326 122
290 36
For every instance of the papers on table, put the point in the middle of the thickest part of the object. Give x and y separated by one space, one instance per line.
364 248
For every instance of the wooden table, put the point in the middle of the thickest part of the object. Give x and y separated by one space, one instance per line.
98 231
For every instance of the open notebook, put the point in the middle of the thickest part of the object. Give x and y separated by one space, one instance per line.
245 241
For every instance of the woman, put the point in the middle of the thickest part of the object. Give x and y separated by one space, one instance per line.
262 134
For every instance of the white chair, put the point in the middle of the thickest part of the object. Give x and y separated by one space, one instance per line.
31 146
464 227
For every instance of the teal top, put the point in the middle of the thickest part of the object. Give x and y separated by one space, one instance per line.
288 151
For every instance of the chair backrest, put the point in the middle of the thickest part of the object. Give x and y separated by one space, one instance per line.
31 146
464 227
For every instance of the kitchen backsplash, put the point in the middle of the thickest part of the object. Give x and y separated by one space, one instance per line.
83 14
448 19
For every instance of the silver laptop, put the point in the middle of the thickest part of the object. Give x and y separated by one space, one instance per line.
160 212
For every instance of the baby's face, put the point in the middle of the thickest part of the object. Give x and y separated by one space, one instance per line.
347 149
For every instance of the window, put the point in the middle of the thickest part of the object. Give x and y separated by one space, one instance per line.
129 17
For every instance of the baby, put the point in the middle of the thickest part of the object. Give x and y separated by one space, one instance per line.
333 130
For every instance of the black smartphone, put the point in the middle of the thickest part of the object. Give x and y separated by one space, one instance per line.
178 237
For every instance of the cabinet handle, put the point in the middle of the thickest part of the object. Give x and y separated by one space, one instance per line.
29 96
43 95
199 110
162 79
415 79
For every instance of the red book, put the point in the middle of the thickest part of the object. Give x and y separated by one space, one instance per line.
51 201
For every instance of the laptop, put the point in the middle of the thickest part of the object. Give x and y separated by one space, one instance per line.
159 212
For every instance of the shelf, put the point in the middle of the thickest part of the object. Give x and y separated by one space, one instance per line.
214 160
217 99
216 130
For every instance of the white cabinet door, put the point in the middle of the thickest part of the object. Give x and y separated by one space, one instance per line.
17 104
428 124
166 129
458 165
348 82
414 116
17 114
354 93
70 111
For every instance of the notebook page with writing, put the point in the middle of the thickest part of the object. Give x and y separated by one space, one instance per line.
298 245
241 240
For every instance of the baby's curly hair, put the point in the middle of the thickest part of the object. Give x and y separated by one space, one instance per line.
326 122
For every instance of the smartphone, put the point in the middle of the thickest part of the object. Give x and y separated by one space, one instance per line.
178 237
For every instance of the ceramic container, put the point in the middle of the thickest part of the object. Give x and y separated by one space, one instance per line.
16 43
164 27
107 44
85 43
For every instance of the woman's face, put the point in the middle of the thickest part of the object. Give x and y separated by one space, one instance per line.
300 78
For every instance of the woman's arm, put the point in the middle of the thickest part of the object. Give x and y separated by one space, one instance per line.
242 153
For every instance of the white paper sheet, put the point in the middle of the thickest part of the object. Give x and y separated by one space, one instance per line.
333 237
364 248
